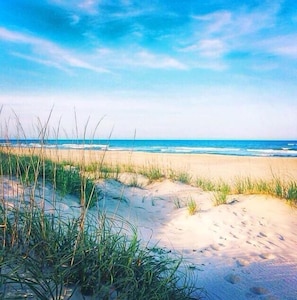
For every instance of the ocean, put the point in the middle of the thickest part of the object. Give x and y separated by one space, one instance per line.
262 148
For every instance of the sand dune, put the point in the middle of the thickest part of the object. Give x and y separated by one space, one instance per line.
243 250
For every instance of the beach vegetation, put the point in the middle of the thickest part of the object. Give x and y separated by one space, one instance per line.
129 168
178 203
240 185
205 184
103 171
134 182
66 179
53 255
262 186
223 187
152 172
222 190
246 185
220 197
291 193
276 187
279 190
192 207
182 177
49 256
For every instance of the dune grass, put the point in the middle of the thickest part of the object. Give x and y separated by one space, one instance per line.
246 185
276 187
66 179
192 207
240 185
183 176
50 256
152 172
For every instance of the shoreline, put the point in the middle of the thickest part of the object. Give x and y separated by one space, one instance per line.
257 148
209 166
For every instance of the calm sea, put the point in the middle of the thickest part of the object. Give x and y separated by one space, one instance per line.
223 147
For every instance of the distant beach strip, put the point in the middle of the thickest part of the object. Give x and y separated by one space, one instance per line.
261 148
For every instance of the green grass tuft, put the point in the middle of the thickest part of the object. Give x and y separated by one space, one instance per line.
51 256
182 177
153 173
66 179
192 207
205 184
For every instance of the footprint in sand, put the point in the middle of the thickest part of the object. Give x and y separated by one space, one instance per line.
215 247
280 237
233 235
266 255
242 262
258 290
232 278
262 234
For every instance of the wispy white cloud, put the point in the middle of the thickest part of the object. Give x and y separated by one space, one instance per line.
74 19
148 59
16 37
127 58
217 20
83 6
87 4
283 45
46 52
50 54
211 48
125 8
45 62
224 32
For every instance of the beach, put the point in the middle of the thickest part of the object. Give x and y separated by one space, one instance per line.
243 249
210 166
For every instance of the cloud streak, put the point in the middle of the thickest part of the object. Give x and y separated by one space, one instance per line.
47 53
222 33
284 46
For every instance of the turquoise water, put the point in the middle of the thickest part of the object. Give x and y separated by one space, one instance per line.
224 147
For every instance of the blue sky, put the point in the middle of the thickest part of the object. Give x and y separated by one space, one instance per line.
162 69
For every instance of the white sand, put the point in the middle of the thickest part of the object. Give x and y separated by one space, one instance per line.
243 250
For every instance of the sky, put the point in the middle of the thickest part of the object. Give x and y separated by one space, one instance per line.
217 69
